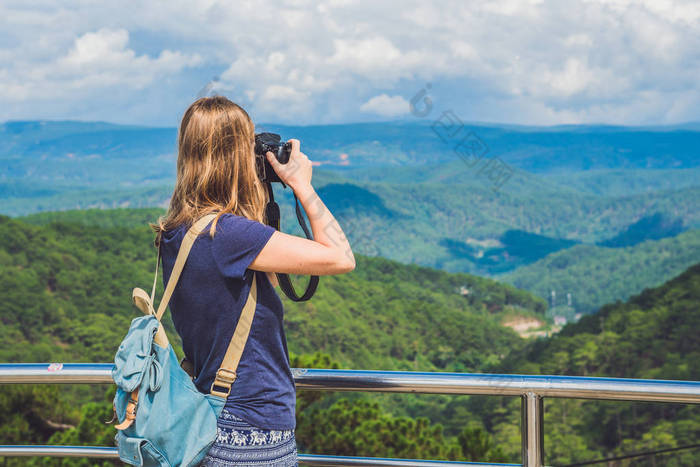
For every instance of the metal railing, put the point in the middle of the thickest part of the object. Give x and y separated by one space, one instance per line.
530 388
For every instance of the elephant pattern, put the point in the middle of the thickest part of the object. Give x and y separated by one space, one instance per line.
249 437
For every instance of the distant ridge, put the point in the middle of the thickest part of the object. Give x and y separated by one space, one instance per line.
539 149
596 275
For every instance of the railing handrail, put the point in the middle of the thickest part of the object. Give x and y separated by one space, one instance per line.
576 387
531 388
305 459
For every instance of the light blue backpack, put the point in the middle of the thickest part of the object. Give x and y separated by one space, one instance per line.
164 419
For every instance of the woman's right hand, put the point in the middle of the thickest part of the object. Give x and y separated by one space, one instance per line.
297 171
329 252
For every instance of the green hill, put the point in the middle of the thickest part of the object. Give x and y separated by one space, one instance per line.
404 193
435 224
128 218
653 227
583 270
596 275
66 289
465 228
66 297
620 182
652 335
398 143
78 278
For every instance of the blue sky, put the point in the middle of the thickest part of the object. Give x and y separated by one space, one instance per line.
306 62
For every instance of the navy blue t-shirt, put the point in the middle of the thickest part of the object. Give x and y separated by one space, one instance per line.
206 306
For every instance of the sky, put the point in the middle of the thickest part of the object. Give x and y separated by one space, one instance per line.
531 62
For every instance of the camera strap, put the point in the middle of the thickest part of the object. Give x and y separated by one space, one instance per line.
272 211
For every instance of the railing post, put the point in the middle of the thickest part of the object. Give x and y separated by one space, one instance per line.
532 430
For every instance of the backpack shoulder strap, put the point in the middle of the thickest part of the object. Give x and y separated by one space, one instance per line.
226 374
182 255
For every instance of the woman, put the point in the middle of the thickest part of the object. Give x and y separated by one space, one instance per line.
216 173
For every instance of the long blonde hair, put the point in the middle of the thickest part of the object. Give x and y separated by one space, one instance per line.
216 169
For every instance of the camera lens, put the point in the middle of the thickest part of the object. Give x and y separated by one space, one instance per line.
284 152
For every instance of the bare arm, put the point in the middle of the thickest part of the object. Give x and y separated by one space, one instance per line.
329 252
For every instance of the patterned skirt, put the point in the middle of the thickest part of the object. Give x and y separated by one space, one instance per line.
242 445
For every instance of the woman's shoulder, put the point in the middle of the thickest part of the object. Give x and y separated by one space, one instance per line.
225 218
230 221
231 217
240 232
228 217
227 224
170 234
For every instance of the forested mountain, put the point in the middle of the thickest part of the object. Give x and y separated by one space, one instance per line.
66 298
596 211
75 273
652 335
593 275
653 227
467 228
403 193
398 143
596 275
62 165
620 182
582 270
123 218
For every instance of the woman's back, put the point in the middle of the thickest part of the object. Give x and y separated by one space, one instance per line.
218 171
206 306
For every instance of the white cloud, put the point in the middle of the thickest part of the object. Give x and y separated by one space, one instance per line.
386 106
363 56
96 61
622 61
100 48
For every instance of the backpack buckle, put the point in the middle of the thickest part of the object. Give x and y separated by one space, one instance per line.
224 380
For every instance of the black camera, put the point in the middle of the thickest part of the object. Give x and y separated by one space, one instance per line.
272 142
